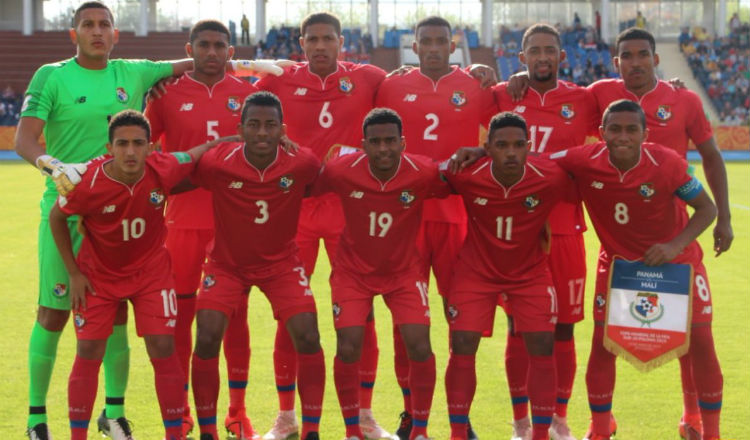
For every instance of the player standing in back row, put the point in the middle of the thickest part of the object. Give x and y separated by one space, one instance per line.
443 108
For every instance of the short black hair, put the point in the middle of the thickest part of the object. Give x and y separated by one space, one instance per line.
635 33
91 5
262 99
624 105
432 20
129 118
381 115
320 18
208 25
507 119
540 28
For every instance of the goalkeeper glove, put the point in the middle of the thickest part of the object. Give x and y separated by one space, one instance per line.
65 176
259 67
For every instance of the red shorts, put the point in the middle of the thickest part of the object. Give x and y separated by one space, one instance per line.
438 244
702 307
405 295
472 302
320 217
567 263
154 304
285 285
187 248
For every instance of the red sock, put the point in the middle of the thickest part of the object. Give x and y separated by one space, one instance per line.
565 361
422 385
237 355
689 392
600 381
368 365
284 367
169 390
516 370
708 379
311 372
346 377
205 379
542 386
460 385
82 385
183 341
401 365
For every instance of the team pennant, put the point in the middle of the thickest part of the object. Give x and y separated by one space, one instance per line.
648 312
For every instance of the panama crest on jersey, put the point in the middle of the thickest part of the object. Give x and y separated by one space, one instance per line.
458 98
567 112
646 308
336 310
156 197
209 281
664 112
531 201
406 198
345 84
233 103
286 182
60 290
79 320
122 95
647 190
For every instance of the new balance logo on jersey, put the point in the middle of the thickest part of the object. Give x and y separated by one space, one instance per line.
235 185
308 292
481 201
186 107
519 109
597 185
357 194
171 323
410 97
706 310
108 209
301 91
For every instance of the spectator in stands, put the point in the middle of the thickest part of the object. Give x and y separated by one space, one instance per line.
245 25
598 22
576 21
640 20
734 23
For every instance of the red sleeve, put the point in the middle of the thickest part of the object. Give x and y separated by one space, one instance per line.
201 175
172 168
154 112
75 202
438 187
489 106
269 83
593 112
567 159
698 127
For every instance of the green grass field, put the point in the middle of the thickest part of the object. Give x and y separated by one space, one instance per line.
647 406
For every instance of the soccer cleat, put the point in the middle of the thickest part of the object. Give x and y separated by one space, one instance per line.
421 437
187 425
559 430
612 428
312 435
284 427
116 429
239 427
470 434
40 431
207 436
404 428
521 429
370 428
691 427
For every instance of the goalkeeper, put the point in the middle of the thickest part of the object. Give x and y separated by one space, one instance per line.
71 102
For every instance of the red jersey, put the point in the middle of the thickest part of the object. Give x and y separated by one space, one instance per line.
560 118
329 111
190 114
672 115
256 211
506 224
382 218
633 210
438 118
125 224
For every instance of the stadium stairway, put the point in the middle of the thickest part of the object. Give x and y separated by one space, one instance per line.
673 64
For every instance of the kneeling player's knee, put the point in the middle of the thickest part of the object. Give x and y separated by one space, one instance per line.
159 346
308 341
465 343
348 350
207 342
419 351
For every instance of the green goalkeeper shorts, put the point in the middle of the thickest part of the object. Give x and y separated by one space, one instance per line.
53 278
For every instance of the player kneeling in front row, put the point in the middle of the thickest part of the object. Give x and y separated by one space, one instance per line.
508 198
382 192
120 200
633 192
257 190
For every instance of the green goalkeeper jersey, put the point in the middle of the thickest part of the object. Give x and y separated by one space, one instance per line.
76 104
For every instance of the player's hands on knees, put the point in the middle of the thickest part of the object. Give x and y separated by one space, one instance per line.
661 253
518 84
289 145
65 175
79 285
723 236
403 70
160 88
486 75
463 157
